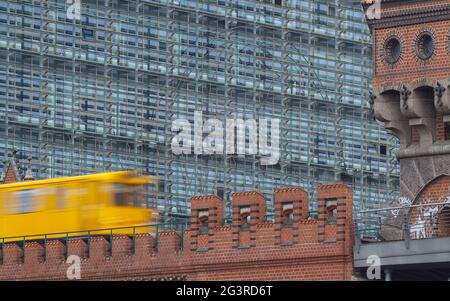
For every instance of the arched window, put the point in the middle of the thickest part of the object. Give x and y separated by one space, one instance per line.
203 218
287 214
245 217
331 211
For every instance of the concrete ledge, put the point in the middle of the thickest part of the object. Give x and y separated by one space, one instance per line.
438 148
394 253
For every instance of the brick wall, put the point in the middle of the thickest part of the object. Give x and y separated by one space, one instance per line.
409 68
410 94
408 97
440 128
294 247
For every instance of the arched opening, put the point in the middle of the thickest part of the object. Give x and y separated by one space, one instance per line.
422 115
387 106
287 214
203 218
245 217
331 211
426 95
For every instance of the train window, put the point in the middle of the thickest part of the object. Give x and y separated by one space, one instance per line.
130 195
60 197
122 195
25 201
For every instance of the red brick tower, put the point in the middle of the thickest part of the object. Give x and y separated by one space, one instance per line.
411 99
411 93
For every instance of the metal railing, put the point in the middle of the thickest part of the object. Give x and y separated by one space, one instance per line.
179 226
87 235
403 223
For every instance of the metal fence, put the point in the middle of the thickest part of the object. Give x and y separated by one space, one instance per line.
403 223
87 235
176 224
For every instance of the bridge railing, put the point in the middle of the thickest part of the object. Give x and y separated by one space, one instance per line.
403 223
178 225
87 235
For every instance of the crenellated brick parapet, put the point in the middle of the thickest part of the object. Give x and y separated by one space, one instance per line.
291 209
293 247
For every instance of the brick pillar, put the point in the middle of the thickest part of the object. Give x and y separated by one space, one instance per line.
289 201
206 214
337 199
249 209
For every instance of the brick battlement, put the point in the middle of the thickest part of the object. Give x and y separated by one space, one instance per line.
293 247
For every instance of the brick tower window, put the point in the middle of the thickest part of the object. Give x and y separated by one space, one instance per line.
425 46
392 49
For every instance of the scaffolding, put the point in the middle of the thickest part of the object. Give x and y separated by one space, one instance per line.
100 93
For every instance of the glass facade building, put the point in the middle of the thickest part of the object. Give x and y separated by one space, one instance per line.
100 92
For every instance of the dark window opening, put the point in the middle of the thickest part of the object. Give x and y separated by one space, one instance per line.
85 105
447 131
88 34
220 192
245 217
346 178
278 2
204 221
161 186
332 11
383 150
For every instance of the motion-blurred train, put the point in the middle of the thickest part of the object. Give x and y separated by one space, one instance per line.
81 203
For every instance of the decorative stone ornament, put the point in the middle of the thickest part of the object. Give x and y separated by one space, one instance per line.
438 93
404 94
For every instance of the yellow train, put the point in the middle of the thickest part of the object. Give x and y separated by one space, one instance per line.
71 204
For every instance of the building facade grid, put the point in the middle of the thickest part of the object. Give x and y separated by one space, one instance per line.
100 93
